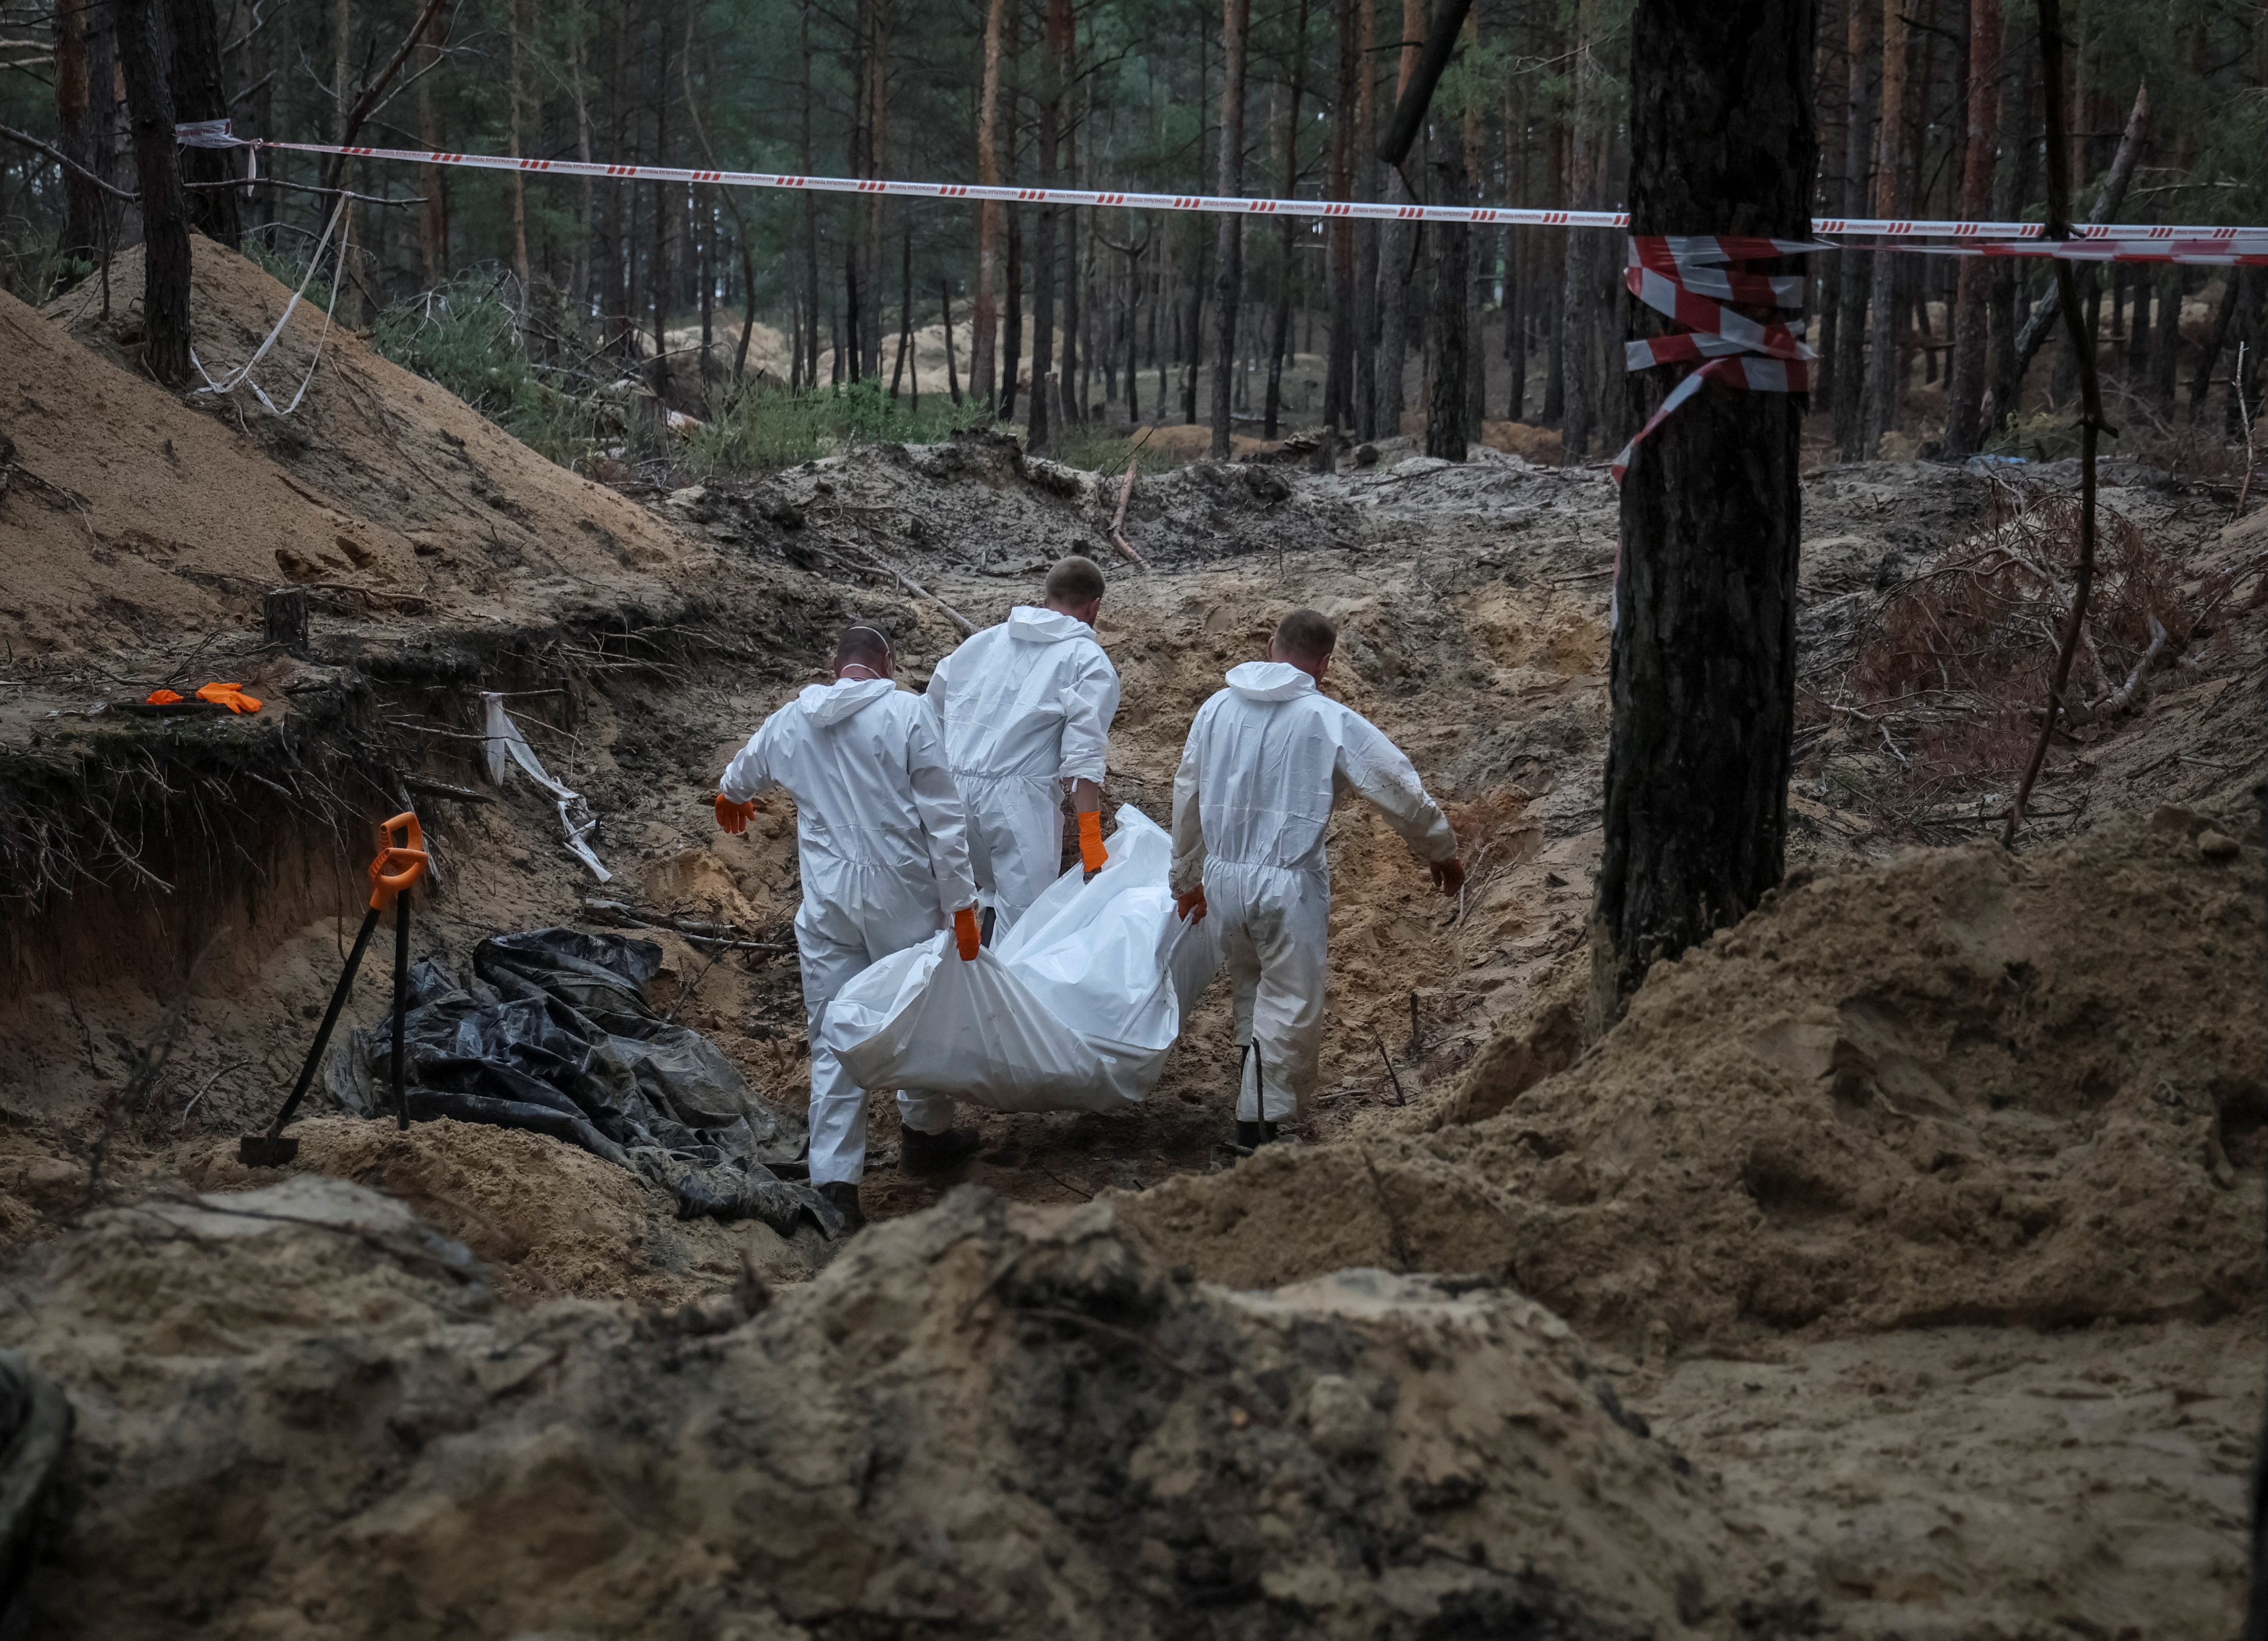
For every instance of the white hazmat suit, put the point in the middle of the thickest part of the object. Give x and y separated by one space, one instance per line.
883 845
1024 707
1266 759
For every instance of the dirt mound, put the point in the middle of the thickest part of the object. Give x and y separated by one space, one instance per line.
152 515
1969 1086
296 1414
549 1220
976 507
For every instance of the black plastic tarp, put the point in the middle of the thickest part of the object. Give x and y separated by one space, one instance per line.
554 1033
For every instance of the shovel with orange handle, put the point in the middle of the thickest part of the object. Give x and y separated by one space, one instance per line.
396 867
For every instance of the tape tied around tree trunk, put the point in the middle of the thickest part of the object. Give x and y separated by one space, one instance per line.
1691 278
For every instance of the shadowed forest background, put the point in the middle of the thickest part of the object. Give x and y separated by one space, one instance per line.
580 312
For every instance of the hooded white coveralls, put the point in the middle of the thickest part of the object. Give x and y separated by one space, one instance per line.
1266 759
883 846
1024 706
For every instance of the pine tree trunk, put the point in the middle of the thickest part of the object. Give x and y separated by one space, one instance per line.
1364 387
1447 355
1044 256
618 236
1398 249
1286 241
2165 354
1848 369
76 124
1964 399
1515 259
1551 271
1063 38
1703 674
810 222
1885 358
1012 345
516 102
873 210
1228 290
984 340
905 310
165 208
2209 354
944 306
1338 346
201 92
339 170
1474 345
1579 294
799 374
2138 323
2005 370
578 278
657 271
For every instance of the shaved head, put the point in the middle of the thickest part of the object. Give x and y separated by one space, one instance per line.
1074 583
861 645
1305 635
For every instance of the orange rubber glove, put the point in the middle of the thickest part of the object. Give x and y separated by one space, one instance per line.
734 816
1091 853
163 697
965 934
1191 907
229 696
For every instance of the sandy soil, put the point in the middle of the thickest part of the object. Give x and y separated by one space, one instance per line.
148 518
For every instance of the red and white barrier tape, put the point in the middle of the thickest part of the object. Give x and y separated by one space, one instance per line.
1690 277
2108 241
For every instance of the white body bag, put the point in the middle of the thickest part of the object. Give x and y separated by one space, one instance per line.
1073 1010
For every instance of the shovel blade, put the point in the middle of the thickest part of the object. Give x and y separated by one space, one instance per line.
267 1151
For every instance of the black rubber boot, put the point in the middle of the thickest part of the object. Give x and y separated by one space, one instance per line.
931 1153
843 1197
1252 1135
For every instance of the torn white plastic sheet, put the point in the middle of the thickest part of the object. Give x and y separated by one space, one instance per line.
1073 1010
243 375
506 742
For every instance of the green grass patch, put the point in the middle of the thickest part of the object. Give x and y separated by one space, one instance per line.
466 336
1097 449
762 429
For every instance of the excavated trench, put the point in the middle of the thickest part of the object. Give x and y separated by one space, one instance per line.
1892 1267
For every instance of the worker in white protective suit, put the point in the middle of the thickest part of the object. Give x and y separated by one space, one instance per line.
883 844
1026 710
1266 759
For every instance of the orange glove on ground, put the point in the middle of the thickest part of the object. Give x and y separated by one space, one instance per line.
1448 875
734 816
229 696
1190 908
965 935
1091 853
163 697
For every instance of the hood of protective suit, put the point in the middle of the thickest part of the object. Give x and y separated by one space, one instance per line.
1269 680
1029 623
831 703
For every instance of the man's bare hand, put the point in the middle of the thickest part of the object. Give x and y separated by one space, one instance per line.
1190 908
1448 875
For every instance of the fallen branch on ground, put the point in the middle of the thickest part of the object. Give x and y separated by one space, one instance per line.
616 915
859 560
1118 522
